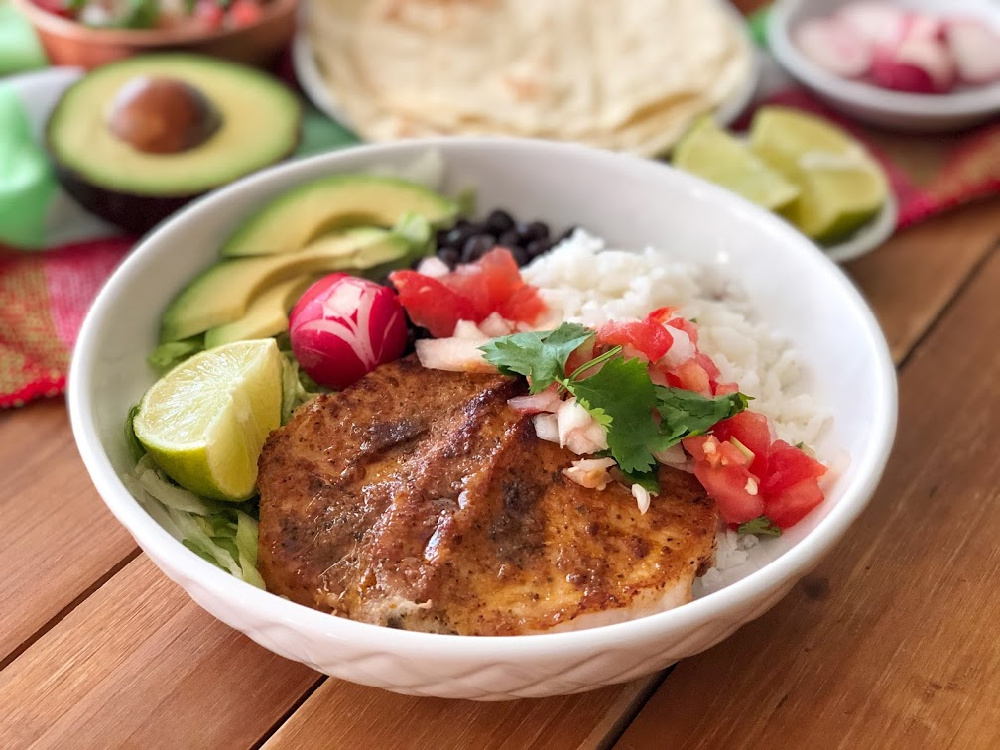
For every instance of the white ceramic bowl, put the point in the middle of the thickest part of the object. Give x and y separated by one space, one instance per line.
631 202
895 110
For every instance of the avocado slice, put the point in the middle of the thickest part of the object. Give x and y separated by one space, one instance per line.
267 314
223 293
293 219
239 120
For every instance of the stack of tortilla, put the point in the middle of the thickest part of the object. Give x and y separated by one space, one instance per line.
628 75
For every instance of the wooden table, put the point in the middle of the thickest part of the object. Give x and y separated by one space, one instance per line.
891 642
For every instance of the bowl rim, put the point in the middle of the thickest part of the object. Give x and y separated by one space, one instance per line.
982 100
145 38
455 648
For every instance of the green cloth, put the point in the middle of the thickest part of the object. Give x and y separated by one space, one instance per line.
320 133
20 49
27 183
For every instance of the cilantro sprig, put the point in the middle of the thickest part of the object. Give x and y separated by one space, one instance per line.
620 396
760 526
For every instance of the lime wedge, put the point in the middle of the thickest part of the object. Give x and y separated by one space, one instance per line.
710 152
842 186
206 420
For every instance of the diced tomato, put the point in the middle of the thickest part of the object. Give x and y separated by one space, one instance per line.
691 376
787 466
473 291
683 324
730 486
523 305
751 429
209 14
662 315
645 336
487 283
430 303
244 13
725 389
709 367
792 504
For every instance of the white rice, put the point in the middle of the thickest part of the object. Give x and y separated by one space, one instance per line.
585 282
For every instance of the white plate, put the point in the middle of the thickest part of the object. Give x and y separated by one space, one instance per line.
318 91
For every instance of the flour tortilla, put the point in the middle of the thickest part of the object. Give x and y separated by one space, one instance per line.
628 75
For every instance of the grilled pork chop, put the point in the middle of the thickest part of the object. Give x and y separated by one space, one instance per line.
418 499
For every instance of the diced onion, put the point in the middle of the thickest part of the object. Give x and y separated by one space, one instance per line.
591 473
642 497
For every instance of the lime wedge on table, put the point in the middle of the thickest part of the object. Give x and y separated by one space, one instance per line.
710 152
206 420
842 187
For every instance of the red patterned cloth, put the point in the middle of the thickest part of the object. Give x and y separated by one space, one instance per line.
44 296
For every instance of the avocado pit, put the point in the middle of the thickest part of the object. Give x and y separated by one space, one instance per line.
161 115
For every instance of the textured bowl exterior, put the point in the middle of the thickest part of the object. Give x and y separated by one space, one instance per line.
72 44
631 202
893 110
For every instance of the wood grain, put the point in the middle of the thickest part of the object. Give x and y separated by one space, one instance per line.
911 278
339 715
56 538
138 664
893 636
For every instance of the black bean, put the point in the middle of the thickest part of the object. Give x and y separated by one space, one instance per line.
449 256
498 222
538 247
476 247
413 334
536 230
457 236
509 239
521 256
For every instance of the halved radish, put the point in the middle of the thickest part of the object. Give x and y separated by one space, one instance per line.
879 22
975 47
918 66
835 46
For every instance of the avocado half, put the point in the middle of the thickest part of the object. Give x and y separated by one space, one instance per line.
256 123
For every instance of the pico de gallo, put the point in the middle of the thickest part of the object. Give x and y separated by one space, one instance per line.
203 15
626 396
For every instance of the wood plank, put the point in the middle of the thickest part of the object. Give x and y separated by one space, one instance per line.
57 539
911 278
893 636
138 664
339 714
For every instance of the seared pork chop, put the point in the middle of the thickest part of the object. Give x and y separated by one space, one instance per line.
418 499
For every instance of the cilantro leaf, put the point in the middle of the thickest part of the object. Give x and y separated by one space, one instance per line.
647 479
538 355
760 526
686 413
622 392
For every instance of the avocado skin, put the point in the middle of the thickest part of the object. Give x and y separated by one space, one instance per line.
134 213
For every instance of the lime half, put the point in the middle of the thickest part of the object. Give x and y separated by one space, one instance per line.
842 186
711 153
206 421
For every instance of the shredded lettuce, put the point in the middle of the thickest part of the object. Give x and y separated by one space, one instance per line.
296 388
167 356
224 534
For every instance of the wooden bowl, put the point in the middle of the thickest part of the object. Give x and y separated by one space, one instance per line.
69 43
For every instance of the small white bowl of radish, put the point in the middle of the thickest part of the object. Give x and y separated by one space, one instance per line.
909 65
